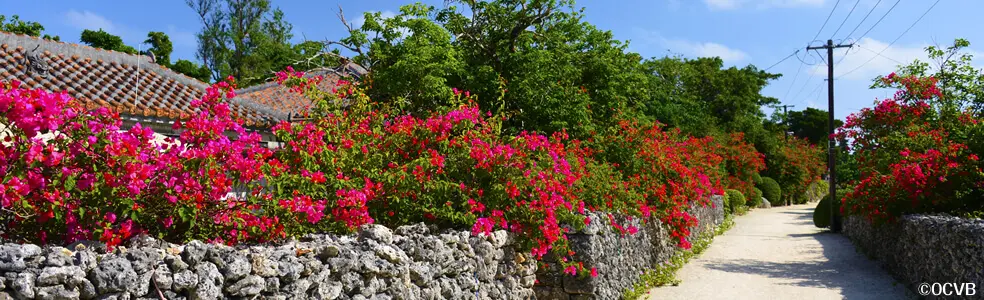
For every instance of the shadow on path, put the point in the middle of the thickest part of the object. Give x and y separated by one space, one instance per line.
841 268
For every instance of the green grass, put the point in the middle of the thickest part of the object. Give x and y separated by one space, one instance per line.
666 273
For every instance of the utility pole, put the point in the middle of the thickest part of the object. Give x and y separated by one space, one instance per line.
785 118
785 133
835 220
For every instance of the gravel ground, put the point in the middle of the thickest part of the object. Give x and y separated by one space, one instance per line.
777 253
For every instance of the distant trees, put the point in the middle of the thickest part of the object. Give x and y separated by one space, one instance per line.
104 40
248 39
18 26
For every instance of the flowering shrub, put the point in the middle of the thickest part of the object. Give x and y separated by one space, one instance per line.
71 174
352 162
798 165
912 158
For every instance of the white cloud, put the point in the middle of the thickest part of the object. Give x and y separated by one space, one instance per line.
707 49
90 20
760 4
868 64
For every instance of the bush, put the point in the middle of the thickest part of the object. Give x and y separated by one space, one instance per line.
821 214
771 191
365 163
755 199
914 156
735 199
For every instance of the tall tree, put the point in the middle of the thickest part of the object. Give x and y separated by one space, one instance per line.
961 84
160 46
552 69
247 39
810 123
104 40
18 26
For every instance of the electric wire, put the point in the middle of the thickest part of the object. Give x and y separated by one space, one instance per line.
893 41
845 19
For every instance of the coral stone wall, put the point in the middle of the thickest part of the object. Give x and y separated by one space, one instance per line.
619 259
412 262
925 249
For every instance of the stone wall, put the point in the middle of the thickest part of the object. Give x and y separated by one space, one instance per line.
921 248
620 260
412 262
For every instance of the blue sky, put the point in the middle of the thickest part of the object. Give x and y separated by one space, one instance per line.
759 32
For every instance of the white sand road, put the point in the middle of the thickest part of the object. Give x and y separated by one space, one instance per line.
777 253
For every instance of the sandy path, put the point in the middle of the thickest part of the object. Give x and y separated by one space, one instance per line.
778 254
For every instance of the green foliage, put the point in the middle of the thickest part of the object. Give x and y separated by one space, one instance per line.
192 70
553 69
104 40
250 40
771 191
960 82
821 214
755 198
735 200
810 124
700 96
817 190
17 26
160 46
848 170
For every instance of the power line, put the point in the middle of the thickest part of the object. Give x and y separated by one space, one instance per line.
828 19
880 19
804 62
794 81
815 90
879 54
845 18
782 60
895 40
864 19
812 74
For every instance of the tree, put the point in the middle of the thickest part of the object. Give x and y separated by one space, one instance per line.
105 40
247 39
552 70
160 46
192 69
700 96
810 123
961 84
17 26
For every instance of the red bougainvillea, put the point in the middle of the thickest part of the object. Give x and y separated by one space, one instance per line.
912 158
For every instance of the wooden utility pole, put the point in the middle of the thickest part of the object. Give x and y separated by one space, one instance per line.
785 133
785 118
835 220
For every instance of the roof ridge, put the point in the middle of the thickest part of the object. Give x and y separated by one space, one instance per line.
29 42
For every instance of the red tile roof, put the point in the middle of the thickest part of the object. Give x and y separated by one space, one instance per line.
129 84
283 103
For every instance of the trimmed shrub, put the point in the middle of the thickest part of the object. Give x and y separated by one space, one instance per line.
755 199
771 190
821 215
735 199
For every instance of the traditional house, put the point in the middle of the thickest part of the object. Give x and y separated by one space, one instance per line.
140 90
